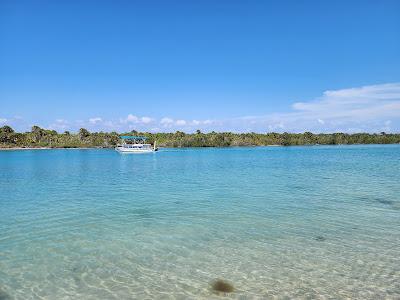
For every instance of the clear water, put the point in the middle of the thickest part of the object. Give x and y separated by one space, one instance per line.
296 222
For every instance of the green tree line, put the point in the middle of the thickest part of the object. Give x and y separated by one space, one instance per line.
39 137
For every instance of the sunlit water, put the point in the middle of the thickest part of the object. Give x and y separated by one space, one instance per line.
295 222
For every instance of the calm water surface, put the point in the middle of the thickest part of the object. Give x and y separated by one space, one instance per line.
298 222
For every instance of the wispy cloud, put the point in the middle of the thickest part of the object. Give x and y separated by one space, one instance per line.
60 125
129 119
132 119
363 103
16 122
181 124
146 120
95 120
167 122
370 108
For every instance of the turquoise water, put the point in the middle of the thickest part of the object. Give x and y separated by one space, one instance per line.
277 222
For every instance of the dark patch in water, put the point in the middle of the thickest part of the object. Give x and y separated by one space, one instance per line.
4 295
222 286
141 213
320 238
78 271
396 207
377 199
177 202
297 187
384 201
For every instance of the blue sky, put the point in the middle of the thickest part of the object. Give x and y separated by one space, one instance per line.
257 66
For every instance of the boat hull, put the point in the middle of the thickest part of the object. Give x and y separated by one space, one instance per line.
127 150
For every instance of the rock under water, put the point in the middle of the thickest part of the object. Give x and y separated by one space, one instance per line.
222 286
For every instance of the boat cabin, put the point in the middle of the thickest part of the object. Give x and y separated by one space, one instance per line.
134 144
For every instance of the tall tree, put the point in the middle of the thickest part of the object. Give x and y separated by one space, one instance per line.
83 134
6 129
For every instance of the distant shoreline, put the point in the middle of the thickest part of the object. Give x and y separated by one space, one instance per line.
250 146
40 138
49 148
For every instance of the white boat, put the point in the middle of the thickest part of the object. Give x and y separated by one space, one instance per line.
135 144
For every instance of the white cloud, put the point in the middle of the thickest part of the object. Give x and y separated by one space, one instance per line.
363 103
371 108
146 120
59 125
355 109
180 122
130 119
172 124
166 121
95 120
3 120
175 124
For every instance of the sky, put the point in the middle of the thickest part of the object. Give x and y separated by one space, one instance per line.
222 65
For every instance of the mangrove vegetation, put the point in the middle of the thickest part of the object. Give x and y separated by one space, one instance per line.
39 137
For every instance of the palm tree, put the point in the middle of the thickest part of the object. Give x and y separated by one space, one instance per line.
83 134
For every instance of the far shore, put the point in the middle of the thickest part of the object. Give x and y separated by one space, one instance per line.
248 146
49 148
85 148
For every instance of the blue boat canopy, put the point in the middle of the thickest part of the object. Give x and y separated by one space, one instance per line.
129 137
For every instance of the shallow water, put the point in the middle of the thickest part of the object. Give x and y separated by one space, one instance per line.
295 222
